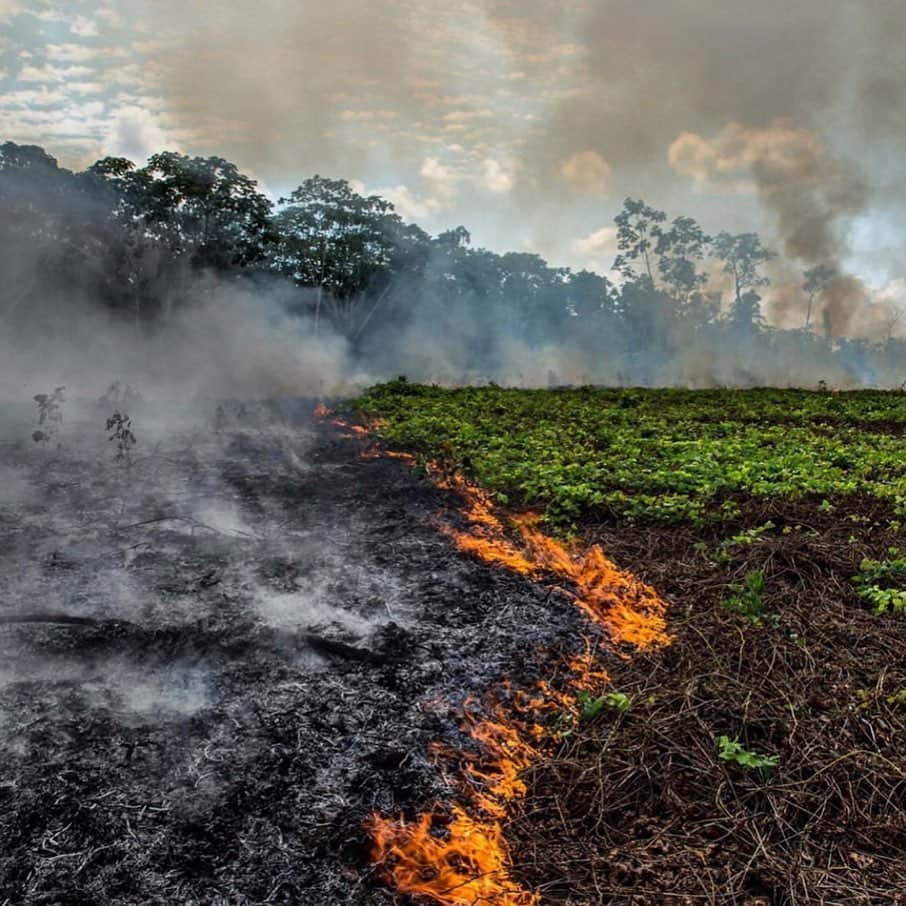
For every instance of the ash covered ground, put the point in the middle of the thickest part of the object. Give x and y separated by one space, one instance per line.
271 632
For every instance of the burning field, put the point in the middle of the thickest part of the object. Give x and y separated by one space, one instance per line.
456 647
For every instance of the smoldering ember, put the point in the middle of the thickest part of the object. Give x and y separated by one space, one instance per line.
452 455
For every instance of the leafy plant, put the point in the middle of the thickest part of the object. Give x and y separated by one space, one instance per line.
619 701
881 583
591 707
49 417
733 750
651 455
746 600
745 538
123 437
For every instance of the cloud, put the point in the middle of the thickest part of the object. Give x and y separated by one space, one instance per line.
468 116
84 27
408 205
441 179
587 172
367 116
271 83
74 53
600 242
435 171
497 177
441 190
133 132
37 97
86 87
109 15
48 74
48 15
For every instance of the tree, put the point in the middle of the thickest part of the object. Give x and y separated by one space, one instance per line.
815 281
26 157
533 294
742 255
37 196
679 249
590 297
457 238
203 207
638 232
53 230
341 243
745 313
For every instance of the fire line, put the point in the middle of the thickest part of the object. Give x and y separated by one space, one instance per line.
457 855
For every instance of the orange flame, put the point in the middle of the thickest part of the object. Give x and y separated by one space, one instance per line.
466 866
627 608
469 862
458 856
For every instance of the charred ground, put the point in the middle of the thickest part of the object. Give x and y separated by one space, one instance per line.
264 616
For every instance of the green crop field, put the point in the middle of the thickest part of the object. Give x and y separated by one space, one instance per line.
662 455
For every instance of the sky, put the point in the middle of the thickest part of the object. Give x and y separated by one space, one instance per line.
527 121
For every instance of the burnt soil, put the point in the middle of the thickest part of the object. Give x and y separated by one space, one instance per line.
637 807
216 663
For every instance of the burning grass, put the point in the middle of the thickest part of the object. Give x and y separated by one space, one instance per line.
457 855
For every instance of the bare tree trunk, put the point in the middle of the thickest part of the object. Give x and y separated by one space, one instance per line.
648 264
374 308
808 313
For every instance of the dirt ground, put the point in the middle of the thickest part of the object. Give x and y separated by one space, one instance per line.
638 807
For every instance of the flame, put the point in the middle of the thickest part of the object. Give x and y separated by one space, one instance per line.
466 865
627 608
456 854
353 431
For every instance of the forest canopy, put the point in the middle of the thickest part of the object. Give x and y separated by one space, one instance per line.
683 305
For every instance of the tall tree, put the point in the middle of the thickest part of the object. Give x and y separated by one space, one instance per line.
742 255
591 298
815 281
638 232
55 232
680 250
205 208
340 243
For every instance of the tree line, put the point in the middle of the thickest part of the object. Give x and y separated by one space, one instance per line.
134 239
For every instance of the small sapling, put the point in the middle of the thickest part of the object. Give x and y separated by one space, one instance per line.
49 417
120 424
